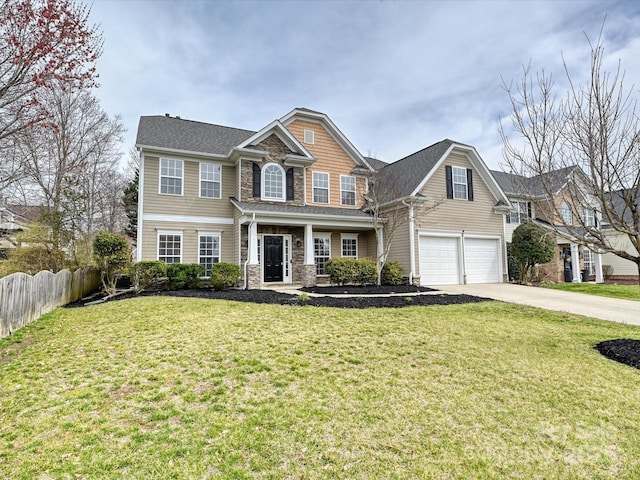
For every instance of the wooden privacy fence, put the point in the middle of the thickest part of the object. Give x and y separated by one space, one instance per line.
24 299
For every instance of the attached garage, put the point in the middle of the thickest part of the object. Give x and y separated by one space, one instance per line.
441 262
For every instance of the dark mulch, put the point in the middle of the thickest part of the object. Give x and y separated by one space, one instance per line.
365 290
623 350
272 297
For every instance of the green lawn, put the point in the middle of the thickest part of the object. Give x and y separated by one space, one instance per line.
626 292
199 389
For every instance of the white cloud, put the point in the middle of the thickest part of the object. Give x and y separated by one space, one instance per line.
394 76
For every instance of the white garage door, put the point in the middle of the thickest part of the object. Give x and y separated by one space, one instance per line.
438 260
481 260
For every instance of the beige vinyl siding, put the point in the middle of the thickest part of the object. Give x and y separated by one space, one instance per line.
331 159
456 215
620 265
399 251
190 233
190 203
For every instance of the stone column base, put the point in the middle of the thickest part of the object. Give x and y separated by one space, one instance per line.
253 277
309 275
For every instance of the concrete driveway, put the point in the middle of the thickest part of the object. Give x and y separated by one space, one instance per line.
615 310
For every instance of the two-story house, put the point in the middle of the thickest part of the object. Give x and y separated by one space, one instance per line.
283 200
549 200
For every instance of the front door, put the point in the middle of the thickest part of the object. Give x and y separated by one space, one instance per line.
273 258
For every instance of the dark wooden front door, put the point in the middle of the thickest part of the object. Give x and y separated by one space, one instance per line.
272 258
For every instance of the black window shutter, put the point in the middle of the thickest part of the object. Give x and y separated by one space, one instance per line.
508 218
448 173
529 209
595 218
290 184
470 184
256 180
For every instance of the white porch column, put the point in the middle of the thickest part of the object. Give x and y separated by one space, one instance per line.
598 264
308 245
253 243
575 263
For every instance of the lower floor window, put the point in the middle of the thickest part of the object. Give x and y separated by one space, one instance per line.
209 251
321 253
170 247
589 261
350 246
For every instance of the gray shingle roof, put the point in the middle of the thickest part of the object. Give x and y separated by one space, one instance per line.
178 134
376 163
301 210
406 174
519 185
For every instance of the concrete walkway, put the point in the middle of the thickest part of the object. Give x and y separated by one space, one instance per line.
604 308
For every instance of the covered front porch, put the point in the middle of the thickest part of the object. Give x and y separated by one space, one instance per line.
282 244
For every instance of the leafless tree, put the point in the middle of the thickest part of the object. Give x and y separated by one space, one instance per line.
74 161
391 210
592 132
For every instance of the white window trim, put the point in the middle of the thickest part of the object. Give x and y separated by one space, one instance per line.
168 176
588 217
326 236
349 236
454 183
210 234
568 211
169 232
355 189
313 187
201 179
308 137
263 171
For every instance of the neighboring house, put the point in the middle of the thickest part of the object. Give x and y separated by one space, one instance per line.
283 200
530 200
13 220
618 266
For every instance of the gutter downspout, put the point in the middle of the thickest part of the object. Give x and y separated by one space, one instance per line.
412 246
464 262
246 263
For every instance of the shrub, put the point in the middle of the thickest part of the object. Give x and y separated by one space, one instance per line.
513 265
531 244
148 274
366 273
184 275
392 273
342 270
224 275
112 255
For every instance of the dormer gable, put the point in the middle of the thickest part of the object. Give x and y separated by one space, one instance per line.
298 155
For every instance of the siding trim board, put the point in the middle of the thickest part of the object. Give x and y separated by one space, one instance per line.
151 217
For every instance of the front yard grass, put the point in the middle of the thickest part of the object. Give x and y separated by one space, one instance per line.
626 292
196 389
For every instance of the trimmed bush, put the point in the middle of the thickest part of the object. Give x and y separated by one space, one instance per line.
392 273
112 255
366 272
147 274
342 270
184 275
224 275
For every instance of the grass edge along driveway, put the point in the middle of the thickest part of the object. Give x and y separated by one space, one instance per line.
189 388
624 292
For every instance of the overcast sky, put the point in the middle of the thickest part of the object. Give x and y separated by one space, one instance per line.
394 76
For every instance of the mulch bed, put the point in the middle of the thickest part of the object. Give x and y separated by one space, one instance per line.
623 350
365 290
357 300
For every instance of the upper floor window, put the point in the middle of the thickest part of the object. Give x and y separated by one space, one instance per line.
459 176
273 186
210 180
308 137
347 190
171 173
567 216
170 246
320 187
589 217
521 212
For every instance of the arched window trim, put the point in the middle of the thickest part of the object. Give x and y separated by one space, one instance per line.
283 186
567 214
